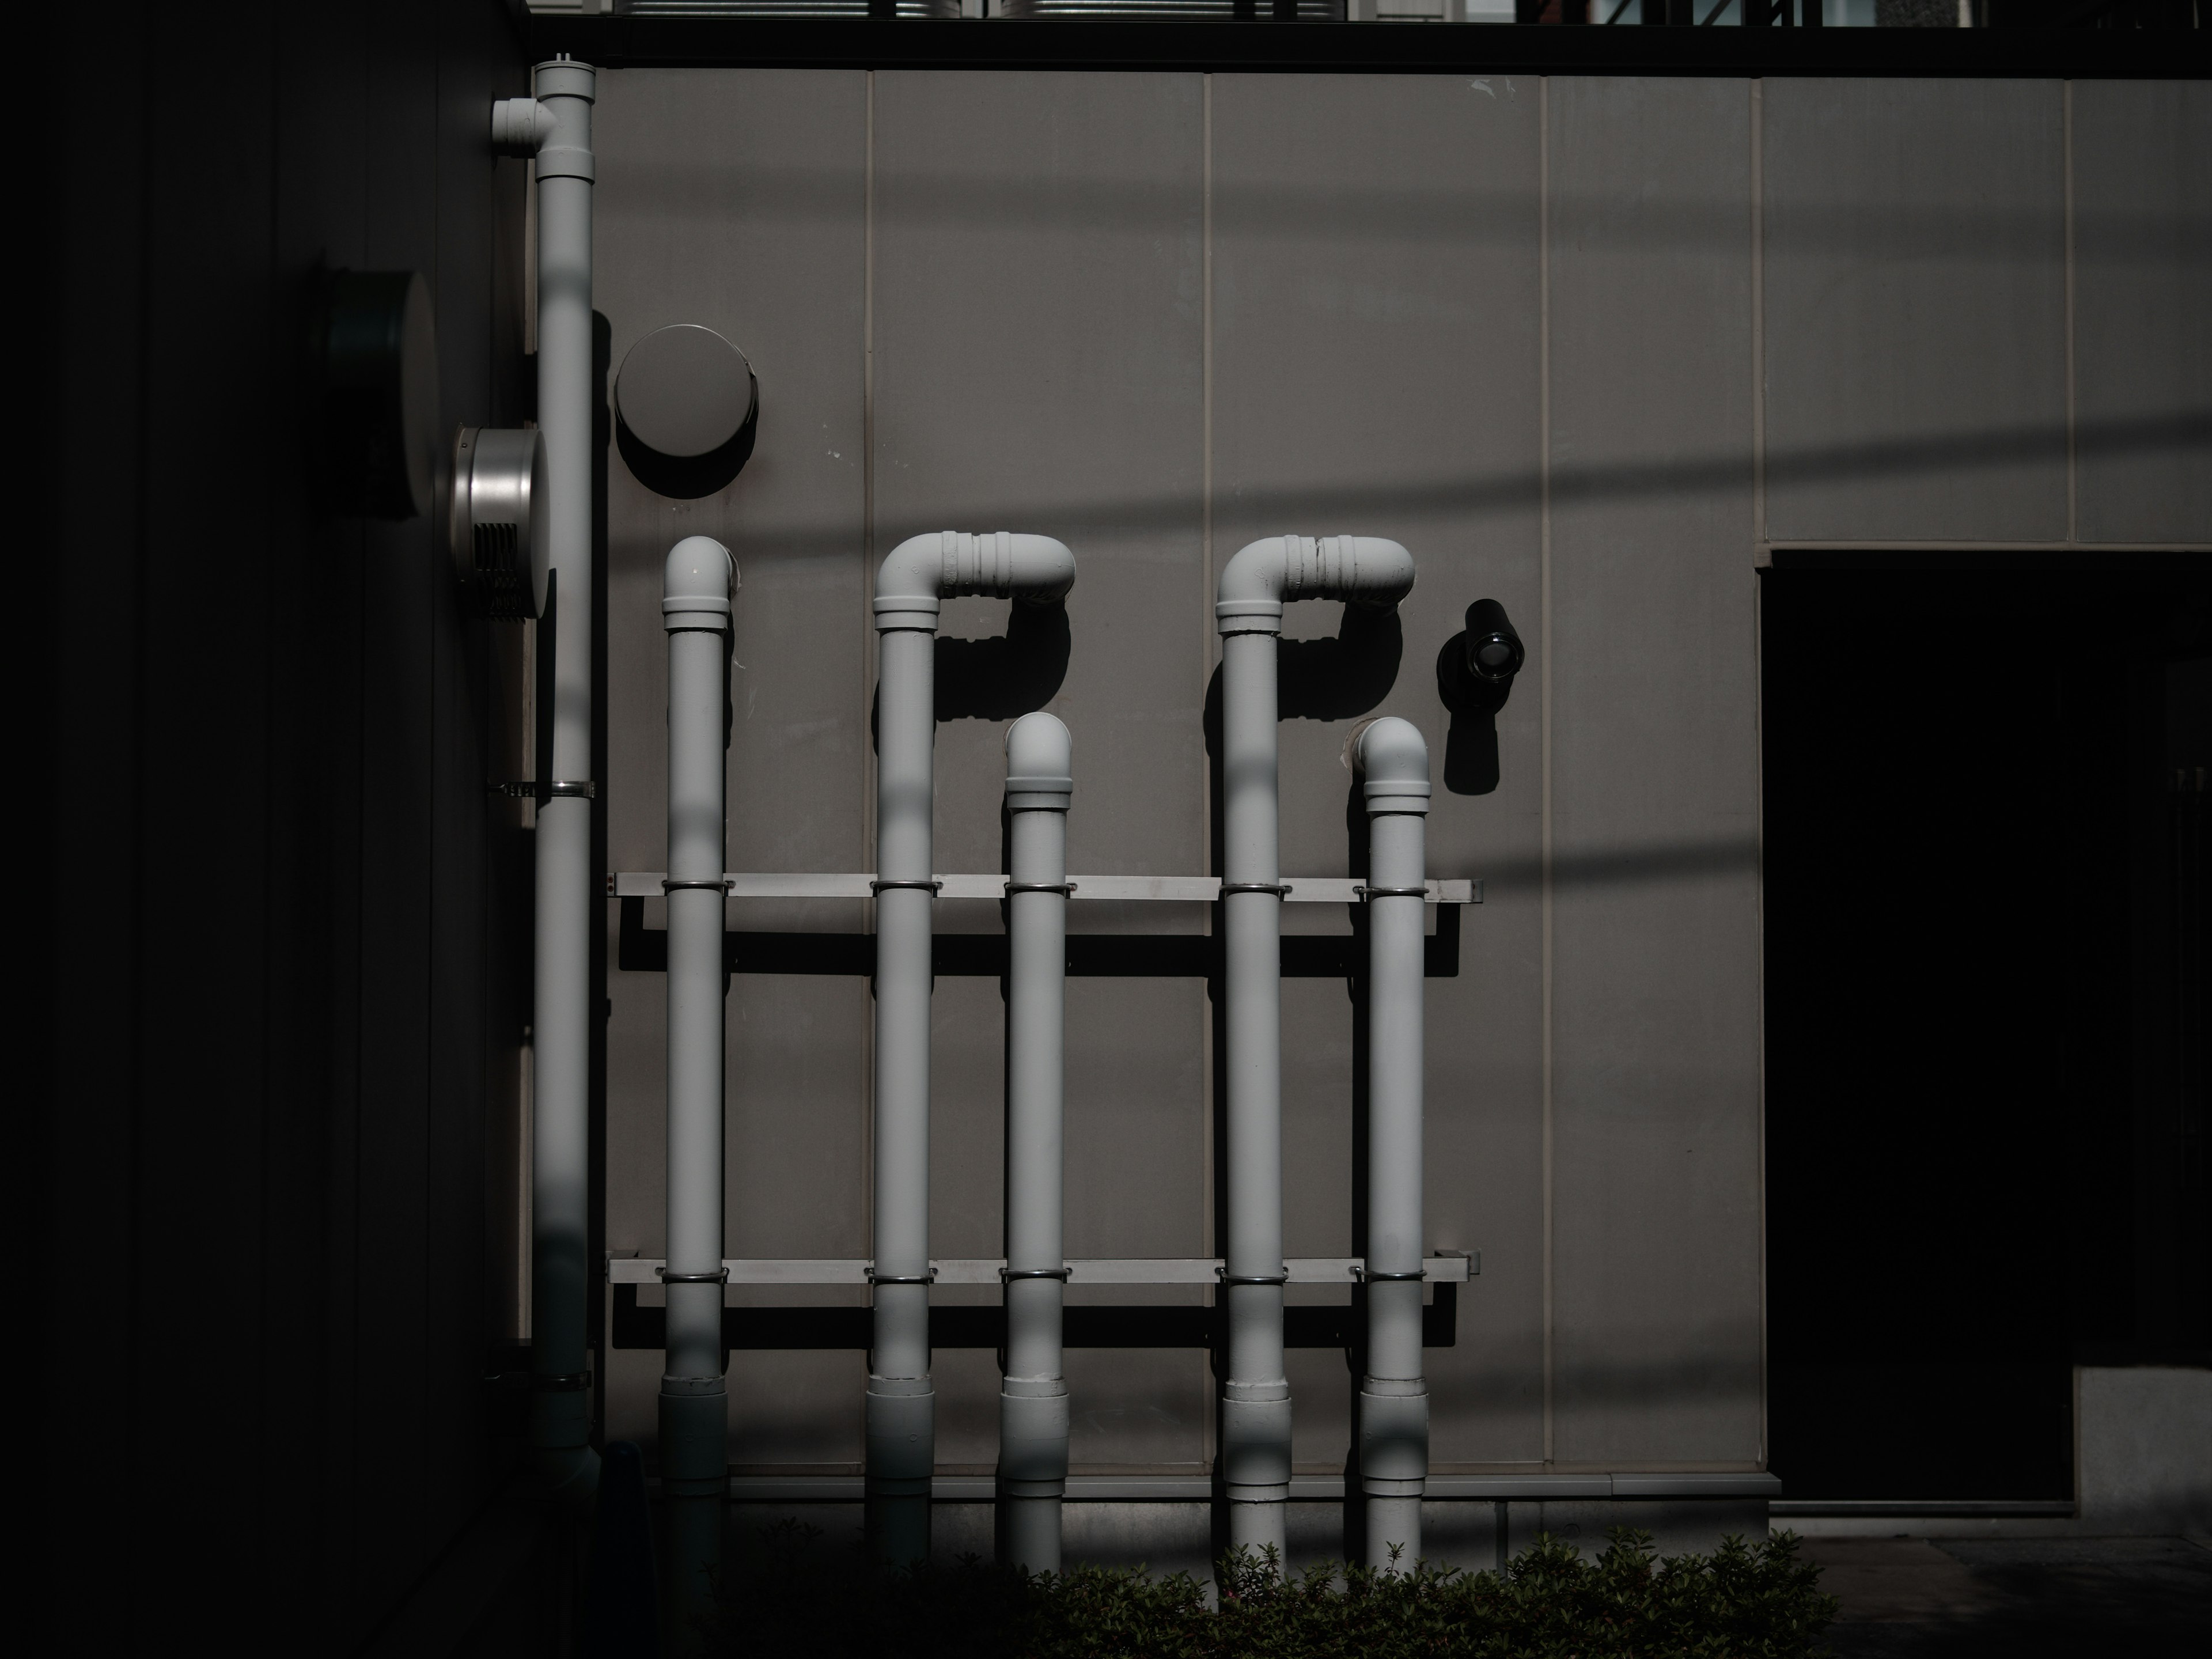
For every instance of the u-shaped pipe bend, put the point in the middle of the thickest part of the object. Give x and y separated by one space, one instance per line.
1269 573
922 570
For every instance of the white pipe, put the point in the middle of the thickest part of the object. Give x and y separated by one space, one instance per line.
555 129
697 584
902 1429
1392 763
1256 1396
1033 1393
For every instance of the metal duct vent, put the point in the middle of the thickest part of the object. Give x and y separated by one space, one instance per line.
495 527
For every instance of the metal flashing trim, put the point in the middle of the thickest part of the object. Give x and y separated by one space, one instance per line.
1306 1488
1455 1269
1926 1508
1172 889
623 40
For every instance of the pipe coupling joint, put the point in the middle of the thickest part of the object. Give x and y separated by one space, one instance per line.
1033 1437
910 613
564 161
1256 1442
519 125
1394 1442
694 614
1395 795
1039 795
564 77
1248 617
695 1431
901 1438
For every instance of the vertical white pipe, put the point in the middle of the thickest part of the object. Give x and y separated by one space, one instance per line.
697 583
901 1423
555 128
1392 762
1256 1396
1033 1393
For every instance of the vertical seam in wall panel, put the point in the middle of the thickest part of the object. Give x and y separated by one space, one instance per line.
2066 144
1758 684
868 642
1205 654
1759 313
1543 636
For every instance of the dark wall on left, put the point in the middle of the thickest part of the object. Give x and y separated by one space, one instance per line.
282 979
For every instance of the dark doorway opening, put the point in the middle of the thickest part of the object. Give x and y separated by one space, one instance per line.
1985 1098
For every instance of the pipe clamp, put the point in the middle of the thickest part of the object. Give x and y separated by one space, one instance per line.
885 884
1362 890
720 884
1227 1278
720 1276
1065 889
1007 1275
572 788
1279 889
929 1278
561 1381
1373 1278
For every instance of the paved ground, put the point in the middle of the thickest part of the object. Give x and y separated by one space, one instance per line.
1911 1598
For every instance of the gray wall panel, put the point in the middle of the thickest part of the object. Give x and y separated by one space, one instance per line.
1374 361
737 201
1656 784
1038 362
1915 310
2142 332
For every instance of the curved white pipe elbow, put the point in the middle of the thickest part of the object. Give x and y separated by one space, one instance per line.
1269 573
922 570
1392 760
520 125
1038 748
697 583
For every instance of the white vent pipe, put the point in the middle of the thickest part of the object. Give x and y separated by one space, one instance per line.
1255 1397
1033 1393
919 572
1393 764
555 128
697 584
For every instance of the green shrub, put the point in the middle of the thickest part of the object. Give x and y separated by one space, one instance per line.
1756 1601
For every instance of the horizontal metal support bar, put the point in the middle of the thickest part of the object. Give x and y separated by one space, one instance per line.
1304 1488
1175 889
1455 1269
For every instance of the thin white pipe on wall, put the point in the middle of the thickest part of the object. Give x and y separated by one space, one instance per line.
1033 1393
555 128
902 1431
1256 1396
1392 762
698 582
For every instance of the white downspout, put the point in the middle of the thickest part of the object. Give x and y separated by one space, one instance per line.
1033 1393
1392 763
555 129
698 585
1255 1397
902 1430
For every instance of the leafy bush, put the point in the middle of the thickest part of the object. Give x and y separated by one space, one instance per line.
1756 1601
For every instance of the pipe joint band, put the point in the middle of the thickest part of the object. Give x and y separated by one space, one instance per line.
929 1278
1007 1275
564 77
1364 891
720 884
1227 1278
564 161
1039 794
1415 1277
720 1276
914 611
572 788
1279 889
883 885
1248 617
1065 889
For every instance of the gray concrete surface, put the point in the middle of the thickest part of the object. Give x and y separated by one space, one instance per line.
1918 1598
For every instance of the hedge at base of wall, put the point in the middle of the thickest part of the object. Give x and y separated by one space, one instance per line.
1749 1600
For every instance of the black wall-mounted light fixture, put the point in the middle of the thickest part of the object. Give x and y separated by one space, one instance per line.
1494 652
372 350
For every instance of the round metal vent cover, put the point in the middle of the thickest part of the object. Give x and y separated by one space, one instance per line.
495 528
